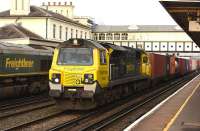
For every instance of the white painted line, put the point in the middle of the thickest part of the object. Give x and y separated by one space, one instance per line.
130 128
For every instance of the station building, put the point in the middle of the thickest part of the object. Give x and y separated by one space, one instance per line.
164 39
55 26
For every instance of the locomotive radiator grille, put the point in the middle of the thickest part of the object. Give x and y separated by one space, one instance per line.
72 79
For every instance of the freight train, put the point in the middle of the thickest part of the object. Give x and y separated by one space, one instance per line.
23 69
86 73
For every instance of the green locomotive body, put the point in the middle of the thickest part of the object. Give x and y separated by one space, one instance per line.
23 69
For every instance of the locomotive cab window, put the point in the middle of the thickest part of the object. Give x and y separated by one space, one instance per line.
145 59
75 56
102 57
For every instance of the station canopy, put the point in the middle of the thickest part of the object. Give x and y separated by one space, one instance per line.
187 14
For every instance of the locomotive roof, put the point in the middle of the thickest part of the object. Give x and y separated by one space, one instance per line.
81 43
114 47
24 49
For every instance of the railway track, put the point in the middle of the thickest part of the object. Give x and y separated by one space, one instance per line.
13 110
100 119
22 102
33 121
23 105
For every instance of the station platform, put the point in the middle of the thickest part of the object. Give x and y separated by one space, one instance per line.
179 112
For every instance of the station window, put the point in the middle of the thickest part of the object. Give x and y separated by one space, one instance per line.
172 46
72 32
60 33
109 36
66 33
102 36
148 46
163 46
179 46
102 57
195 46
188 46
124 36
54 31
117 36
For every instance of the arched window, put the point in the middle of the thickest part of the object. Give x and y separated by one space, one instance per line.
54 31
81 35
76 33
72 32
60 33
85 35
66 33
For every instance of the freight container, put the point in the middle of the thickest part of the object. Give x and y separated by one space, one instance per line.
194 64
198 61
173 65
159 65
187 66
184 66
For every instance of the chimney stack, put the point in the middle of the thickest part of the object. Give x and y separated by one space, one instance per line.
49 3
20 7
65 3
70 3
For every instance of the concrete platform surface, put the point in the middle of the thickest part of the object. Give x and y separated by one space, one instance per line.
180 112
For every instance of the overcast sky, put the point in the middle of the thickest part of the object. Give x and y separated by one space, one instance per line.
115 12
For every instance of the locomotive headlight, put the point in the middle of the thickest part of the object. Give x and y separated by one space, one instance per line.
89 78
56 78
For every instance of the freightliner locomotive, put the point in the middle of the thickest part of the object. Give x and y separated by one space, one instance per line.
86 73
23 69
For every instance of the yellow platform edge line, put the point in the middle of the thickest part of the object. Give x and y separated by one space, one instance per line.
181 108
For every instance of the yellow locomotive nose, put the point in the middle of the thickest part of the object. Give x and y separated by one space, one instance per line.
72 79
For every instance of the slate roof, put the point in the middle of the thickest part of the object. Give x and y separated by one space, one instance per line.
40 12
137 28
17 31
